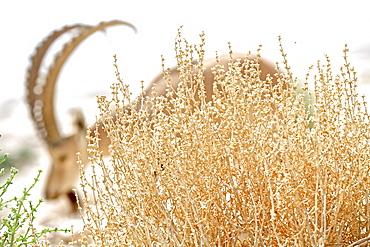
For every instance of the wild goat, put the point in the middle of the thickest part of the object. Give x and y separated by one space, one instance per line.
64 172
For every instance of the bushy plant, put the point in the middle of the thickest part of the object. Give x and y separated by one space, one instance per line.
252 167
16 228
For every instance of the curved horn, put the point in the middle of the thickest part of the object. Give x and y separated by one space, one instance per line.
34 86
40 95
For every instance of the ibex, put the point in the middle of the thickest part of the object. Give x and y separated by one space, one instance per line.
40 98
64 173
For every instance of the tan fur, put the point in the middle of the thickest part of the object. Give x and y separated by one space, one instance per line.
64 173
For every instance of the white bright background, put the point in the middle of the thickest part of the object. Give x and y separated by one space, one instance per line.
309 30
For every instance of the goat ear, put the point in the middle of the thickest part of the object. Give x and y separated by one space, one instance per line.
79 125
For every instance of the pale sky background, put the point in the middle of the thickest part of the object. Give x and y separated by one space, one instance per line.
309 30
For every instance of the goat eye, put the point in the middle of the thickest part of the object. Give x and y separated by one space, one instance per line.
62 158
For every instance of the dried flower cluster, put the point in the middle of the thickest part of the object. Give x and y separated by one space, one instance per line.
252 167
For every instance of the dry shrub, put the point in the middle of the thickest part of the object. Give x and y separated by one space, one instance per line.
244 169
